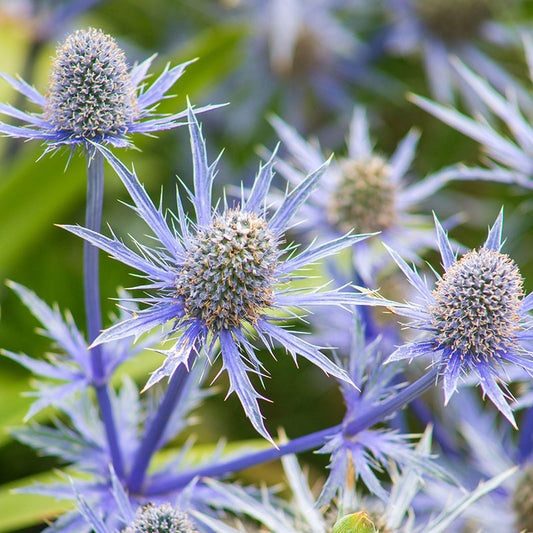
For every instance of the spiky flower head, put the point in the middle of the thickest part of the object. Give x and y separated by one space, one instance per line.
454 19
228 272
223 276
93 97
477 304
476 317
365 192
364 198
160 519
90 91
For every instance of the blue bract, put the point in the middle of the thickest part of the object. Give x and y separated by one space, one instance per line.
93 97
223 276
476 318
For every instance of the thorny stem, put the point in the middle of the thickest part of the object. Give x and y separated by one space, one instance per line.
155 432
93 311
301 444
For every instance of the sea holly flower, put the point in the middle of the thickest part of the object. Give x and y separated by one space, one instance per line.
93 97
160 519
79 440
301 52
475 318
223 275
365 191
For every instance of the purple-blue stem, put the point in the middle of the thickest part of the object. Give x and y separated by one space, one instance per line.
153 435
301 444
93 311
525 445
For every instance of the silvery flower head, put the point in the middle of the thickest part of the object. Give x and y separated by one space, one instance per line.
93 97
475 318
439 29
160 519
148 518
365 191
223 275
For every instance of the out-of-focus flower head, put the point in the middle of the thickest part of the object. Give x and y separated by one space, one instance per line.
367 192
93 98
438 29
223 276
475 318
302 56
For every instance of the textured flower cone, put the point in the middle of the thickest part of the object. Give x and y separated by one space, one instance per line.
160 519
477 304
364 198
228 276
90 90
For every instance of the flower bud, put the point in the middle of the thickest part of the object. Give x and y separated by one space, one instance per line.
354 523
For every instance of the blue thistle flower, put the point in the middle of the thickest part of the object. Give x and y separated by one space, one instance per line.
93 97
476 317
365 191
217 278
302 52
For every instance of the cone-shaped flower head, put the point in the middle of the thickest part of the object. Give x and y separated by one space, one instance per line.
228 272
477 304
224 275
93 97
160 519
476 317
365 192
364 198
90 92
454 19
